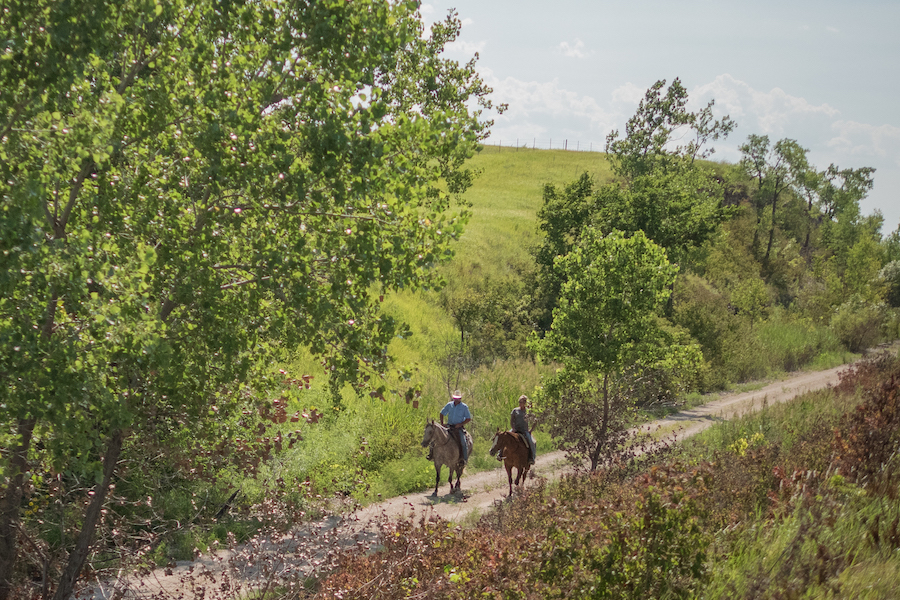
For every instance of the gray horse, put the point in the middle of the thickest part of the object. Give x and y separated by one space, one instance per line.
446 452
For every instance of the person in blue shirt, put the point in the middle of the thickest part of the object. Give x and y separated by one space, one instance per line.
458 415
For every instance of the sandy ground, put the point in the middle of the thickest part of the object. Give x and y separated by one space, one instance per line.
226 573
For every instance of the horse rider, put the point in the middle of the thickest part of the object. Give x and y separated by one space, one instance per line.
518 422
458 415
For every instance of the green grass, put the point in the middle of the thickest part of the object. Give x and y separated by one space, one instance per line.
505 201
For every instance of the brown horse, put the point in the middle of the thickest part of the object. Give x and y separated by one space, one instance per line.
514 449
446 452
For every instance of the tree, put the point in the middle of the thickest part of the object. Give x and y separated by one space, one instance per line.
186 185
606 322
843 226
771 167
563 217
664 192
659 120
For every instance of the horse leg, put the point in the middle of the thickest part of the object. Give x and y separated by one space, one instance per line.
509 476
437 478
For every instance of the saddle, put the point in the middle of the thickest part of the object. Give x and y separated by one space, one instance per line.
520 437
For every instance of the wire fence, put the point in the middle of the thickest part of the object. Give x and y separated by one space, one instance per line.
545 144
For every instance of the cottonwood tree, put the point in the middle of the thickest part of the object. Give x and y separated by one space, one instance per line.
664 191
771 167
606 323
186 183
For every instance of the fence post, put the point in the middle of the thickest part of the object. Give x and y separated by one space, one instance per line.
566 145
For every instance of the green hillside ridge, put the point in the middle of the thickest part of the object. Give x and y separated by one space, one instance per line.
507 195
504 200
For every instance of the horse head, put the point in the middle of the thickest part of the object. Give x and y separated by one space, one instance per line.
428 433
495 444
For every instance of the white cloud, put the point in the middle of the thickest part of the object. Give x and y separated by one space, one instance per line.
864 140
767 112
627 96
575 50
543 109
832 30
464 49
427 10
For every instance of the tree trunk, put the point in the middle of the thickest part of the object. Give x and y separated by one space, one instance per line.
809 225
10 503
91 518
771 230
601 441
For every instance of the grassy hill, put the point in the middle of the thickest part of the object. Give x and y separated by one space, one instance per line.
507 196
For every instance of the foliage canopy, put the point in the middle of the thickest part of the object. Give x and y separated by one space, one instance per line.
186 184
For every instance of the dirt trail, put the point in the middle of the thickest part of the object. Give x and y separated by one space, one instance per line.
223 573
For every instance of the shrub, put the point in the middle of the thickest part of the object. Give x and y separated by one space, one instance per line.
704 312
649 546
890 278
858 325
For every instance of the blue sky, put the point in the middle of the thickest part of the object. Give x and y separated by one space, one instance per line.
824 73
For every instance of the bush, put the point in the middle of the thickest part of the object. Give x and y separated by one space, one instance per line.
858 325
650 546
890 278
703 311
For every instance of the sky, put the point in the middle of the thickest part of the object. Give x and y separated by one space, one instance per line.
825 73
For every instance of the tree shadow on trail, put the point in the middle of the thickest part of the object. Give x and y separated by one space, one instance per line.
449 498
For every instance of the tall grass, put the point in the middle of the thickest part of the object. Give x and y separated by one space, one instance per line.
791 343
823 550
505 202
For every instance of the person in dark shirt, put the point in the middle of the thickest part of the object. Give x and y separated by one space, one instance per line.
518 422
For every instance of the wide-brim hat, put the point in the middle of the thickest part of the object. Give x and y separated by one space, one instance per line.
456 395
